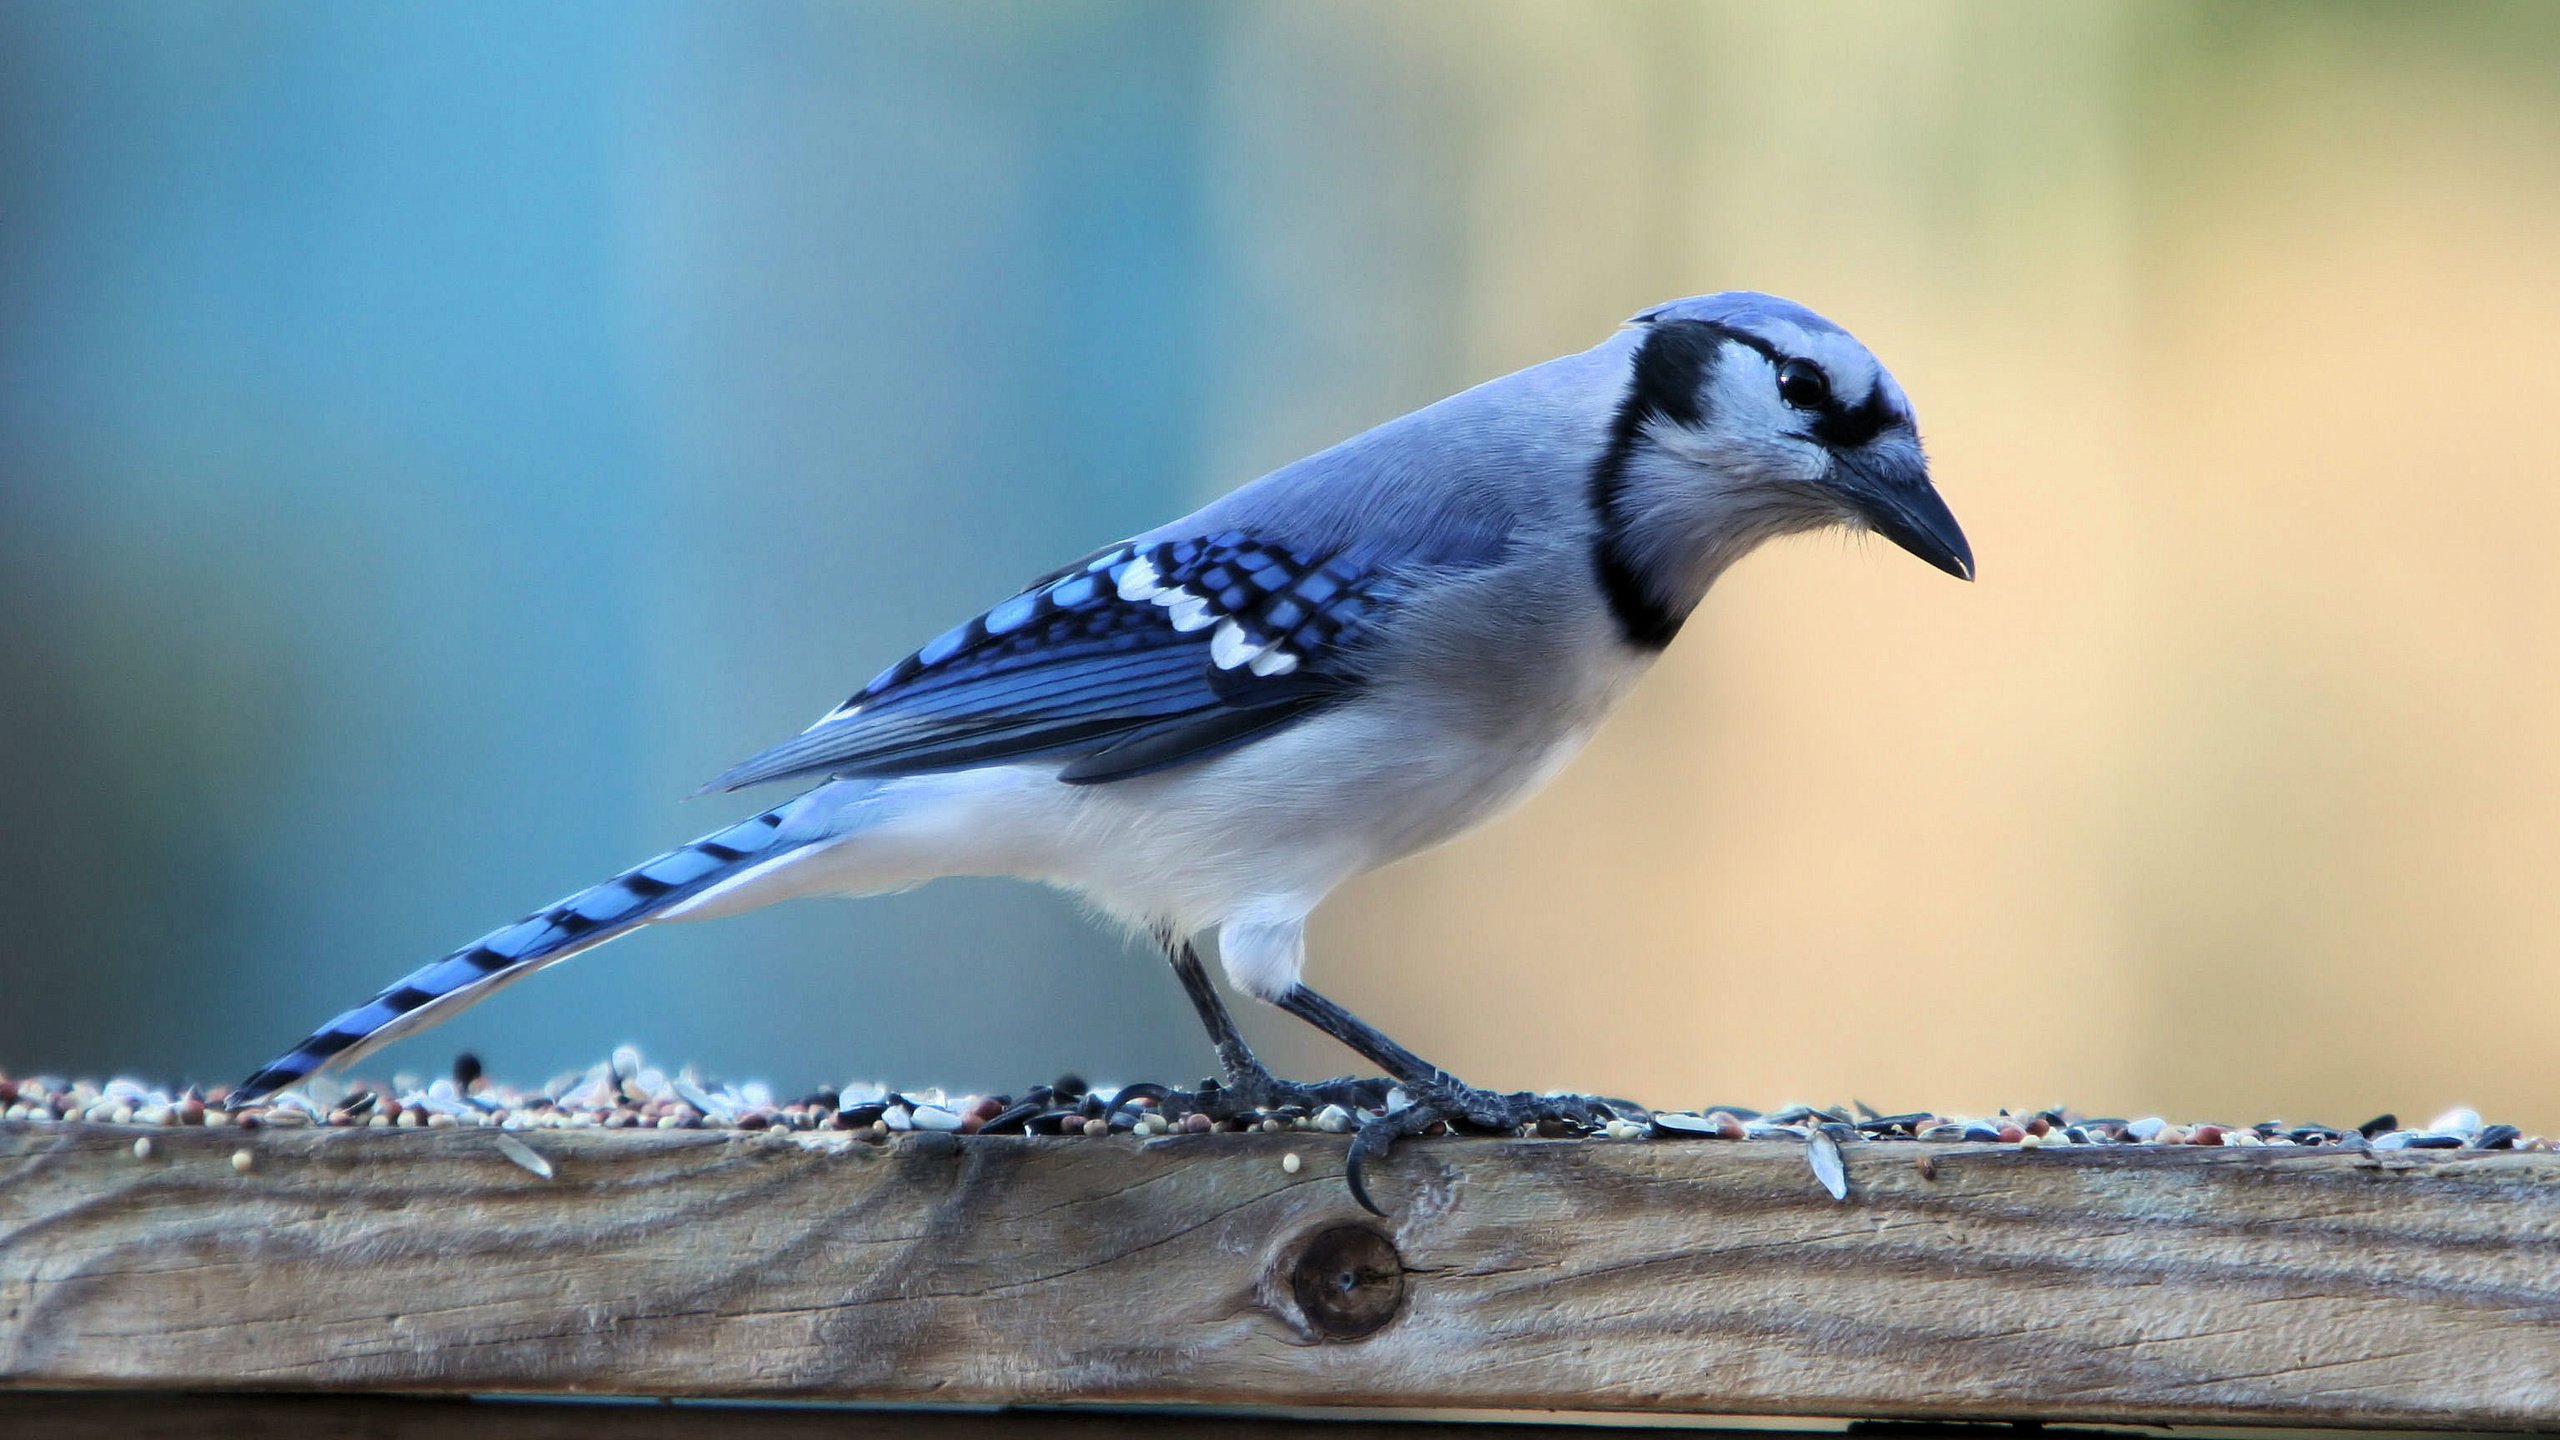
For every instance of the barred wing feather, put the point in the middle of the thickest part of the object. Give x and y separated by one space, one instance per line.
1144 657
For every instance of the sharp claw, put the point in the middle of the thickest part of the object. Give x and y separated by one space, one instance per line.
1376 1138
1442 1100
1354 1169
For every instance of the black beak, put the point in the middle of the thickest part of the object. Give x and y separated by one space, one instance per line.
1892 493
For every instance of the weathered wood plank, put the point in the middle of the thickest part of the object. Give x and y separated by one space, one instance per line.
2186 1285
133 1415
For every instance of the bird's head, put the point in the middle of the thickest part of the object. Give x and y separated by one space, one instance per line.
1745 416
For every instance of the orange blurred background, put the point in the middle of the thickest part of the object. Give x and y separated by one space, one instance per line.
2232 787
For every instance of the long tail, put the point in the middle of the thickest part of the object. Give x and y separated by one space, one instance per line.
471 974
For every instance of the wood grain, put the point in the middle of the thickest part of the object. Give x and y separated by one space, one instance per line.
2188 1285
143 1415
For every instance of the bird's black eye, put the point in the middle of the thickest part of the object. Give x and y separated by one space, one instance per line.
1802 384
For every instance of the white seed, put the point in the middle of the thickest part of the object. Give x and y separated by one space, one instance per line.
243 1161
2465 1121
142 1148
1824 1154
1333 1120
524 1155
1291 1164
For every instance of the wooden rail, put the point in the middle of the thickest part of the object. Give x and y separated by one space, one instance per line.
2410 1289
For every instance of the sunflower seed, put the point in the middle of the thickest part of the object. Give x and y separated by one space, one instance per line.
523 1154
1824 1154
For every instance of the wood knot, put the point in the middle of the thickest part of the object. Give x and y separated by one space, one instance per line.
1348 1282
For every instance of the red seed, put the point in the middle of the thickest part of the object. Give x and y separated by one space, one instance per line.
2010 1133
2206 1135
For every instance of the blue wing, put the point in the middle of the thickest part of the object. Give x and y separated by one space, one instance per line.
1143 657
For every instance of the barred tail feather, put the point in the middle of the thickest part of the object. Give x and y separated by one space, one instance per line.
438 991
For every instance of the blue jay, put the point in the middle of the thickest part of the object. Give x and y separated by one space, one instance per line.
1206 728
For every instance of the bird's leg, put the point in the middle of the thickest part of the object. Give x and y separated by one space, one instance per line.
1361 1036
1249 1084
1435 1095
1236 1060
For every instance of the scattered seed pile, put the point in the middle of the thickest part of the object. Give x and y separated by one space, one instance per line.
627 1093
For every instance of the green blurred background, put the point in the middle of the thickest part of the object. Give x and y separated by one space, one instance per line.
432 440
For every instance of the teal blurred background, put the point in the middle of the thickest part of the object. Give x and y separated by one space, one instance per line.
433 440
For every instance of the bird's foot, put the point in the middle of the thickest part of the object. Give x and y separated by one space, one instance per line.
1260 1090
1463 1107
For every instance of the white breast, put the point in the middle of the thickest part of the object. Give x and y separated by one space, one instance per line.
1468 719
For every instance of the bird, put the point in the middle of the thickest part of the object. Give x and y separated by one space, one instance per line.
1206 728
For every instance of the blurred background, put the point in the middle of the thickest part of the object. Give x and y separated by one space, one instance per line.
432 441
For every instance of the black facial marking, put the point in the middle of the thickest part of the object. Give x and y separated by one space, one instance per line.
1670 377
1673 363
1846 427
1669 384
1835 423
